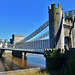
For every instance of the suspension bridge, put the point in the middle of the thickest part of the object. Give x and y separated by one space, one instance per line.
59 27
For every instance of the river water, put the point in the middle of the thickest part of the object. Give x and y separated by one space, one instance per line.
9 63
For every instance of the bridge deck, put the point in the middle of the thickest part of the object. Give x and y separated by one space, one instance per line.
37 51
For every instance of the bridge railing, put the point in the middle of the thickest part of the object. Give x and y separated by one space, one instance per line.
38 44
10 45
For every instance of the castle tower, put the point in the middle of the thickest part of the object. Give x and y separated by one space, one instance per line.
1 44
6 43
16 38
56 29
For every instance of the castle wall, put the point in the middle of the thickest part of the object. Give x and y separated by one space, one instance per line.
66 31
73 36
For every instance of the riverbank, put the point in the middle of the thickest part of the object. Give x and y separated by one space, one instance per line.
30 71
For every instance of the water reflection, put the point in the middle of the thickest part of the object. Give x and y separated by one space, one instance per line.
14 63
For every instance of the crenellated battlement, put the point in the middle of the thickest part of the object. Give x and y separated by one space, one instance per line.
67 22
17 35
70 15
0 40
60 6
53 6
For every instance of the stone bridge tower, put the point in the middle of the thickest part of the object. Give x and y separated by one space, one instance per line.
56 29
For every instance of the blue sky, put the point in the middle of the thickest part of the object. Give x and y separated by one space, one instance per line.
25 16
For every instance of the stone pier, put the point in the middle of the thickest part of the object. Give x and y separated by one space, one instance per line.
17 54
20 54
16 38
1 52
25 57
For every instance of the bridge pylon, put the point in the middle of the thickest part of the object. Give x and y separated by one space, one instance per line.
56 29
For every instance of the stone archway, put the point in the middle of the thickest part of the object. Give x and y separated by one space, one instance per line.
68 41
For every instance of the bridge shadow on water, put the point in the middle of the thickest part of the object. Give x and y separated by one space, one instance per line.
9 63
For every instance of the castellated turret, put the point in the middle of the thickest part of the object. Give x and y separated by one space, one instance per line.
56 28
